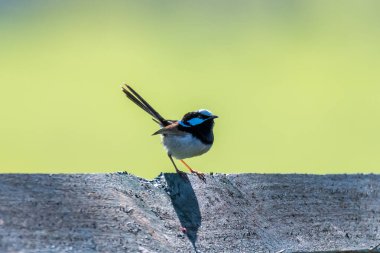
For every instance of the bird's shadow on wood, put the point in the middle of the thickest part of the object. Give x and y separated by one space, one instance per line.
185 204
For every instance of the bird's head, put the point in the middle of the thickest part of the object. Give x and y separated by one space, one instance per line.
198 118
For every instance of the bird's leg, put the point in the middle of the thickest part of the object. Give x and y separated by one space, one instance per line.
199 174
181 173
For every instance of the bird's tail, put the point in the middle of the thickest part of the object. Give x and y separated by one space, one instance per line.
138 100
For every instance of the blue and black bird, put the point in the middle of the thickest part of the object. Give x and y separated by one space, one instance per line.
191 136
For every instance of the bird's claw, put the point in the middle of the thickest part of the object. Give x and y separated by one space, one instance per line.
183 175
200 175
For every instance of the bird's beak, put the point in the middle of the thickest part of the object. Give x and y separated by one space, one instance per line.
214 117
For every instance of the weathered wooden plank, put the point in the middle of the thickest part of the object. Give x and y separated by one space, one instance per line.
230 213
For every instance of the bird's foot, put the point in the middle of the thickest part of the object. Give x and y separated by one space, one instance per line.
200 175
183 175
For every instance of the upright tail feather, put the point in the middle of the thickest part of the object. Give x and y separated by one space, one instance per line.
138 100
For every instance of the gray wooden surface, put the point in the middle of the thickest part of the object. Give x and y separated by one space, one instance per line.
230 213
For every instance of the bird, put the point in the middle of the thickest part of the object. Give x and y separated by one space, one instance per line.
191 136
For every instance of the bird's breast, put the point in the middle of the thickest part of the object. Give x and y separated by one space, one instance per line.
184 146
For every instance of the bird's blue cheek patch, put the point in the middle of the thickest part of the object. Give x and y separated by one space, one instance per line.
183 124
195 121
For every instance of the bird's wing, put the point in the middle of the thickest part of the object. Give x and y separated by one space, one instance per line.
171 129
138 100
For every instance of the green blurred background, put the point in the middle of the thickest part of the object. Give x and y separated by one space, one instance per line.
296 84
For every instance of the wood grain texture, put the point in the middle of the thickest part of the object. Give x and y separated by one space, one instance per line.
230 213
